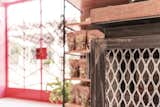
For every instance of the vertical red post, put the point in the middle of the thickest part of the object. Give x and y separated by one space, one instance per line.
6 45
3 50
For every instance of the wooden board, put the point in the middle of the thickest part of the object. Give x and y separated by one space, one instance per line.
81 4
132 11
85 5
72 105
79 79
134 30
79 24
78 52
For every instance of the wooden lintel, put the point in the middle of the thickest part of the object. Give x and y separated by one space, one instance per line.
126 12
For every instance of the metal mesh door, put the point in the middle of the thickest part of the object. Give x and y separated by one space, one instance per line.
132 77
24 37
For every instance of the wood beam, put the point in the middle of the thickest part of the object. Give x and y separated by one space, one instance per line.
132 11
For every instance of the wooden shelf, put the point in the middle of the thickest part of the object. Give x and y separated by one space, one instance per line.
87 23
72 105
78 52
80 79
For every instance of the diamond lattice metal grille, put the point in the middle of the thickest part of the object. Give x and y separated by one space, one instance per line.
132 77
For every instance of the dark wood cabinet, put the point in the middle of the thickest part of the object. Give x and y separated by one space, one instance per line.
125 72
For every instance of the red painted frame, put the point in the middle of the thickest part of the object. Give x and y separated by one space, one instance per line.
28 94
14 2
3 58
39 95
6 46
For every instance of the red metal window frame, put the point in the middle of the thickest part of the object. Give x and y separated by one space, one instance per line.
39 95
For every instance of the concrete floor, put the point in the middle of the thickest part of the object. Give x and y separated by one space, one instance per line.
12 102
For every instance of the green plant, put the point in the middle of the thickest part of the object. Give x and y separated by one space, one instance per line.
48 61
56 94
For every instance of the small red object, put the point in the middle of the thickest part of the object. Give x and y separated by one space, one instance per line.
41 53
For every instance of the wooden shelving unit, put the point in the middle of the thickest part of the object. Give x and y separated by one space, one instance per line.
80 79
78 43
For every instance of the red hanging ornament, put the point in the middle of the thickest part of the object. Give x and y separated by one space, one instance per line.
41 53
